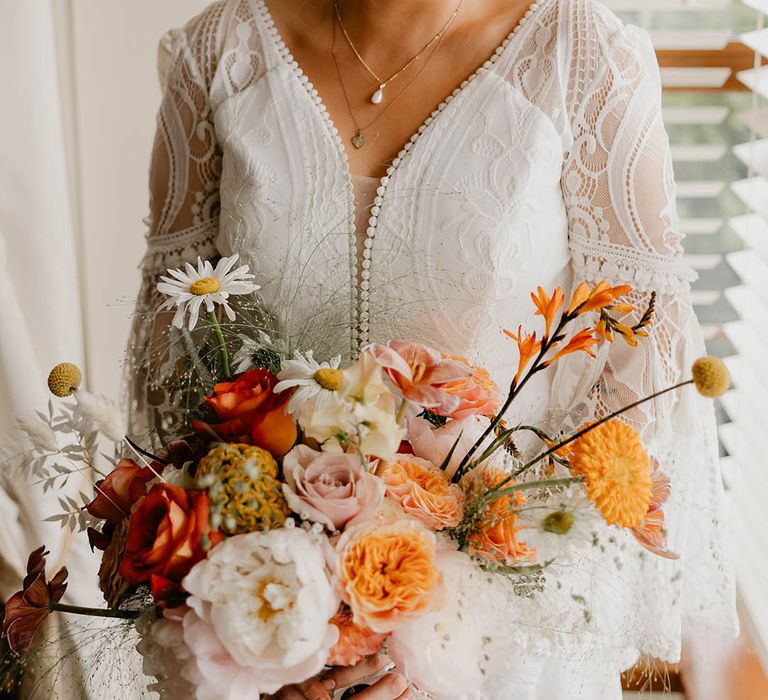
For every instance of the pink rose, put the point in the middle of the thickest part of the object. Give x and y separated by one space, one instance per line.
330 488
434 444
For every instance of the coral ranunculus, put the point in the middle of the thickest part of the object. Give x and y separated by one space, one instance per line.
165 538
355 642
250 412
120 489
424 491
387 572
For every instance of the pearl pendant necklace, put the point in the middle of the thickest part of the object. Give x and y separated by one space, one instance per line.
378 97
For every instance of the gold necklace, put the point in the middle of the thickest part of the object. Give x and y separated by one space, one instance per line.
378 96
358 138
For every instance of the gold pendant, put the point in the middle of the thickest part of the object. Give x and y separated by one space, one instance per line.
358 140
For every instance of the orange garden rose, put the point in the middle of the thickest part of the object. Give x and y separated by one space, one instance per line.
478 394
387 572
355 642
424 491
120 489
251 413
166 538
495 537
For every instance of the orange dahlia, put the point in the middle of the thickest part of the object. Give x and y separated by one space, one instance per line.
495 535
616 471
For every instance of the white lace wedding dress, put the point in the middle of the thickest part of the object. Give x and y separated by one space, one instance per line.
548 166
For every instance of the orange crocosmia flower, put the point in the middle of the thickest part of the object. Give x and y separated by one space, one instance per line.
528 347
604 295
579 296
387 572
583 340
495 536
424 491
547 306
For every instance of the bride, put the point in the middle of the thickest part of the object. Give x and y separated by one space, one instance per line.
413 168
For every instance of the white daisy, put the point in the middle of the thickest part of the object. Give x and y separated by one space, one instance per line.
317 383
190 289
559 525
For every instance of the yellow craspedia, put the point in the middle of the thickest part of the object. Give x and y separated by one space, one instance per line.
710 377
616 471
243 490
64 378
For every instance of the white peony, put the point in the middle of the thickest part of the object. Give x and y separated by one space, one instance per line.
449 653
269 599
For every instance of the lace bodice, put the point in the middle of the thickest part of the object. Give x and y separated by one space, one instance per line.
548 166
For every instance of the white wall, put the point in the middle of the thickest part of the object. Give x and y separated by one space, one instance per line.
112 46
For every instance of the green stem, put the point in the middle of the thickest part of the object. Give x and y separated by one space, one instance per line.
589 428
499 492
514 390
222 343
95 612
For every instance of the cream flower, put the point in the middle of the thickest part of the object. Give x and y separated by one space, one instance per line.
269 598
316 383
559 526
365 417
189 290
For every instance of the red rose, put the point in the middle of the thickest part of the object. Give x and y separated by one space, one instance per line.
165 538
120 489
26 610
251 413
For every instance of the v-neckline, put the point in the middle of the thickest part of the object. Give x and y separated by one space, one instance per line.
360 268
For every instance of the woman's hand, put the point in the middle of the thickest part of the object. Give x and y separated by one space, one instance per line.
391 686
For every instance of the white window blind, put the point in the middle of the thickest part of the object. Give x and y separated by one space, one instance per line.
718 127
747 403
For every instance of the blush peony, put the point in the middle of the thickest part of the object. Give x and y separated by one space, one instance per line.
330 487
181 650
269 598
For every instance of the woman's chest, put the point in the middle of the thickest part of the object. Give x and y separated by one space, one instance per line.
468 216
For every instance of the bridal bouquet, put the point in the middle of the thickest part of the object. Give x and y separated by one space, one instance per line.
315 513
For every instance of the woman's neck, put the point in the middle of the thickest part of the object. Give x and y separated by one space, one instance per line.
396 22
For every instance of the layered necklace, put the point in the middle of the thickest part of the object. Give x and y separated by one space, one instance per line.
378 96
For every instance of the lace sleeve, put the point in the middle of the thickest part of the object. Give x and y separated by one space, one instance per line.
619 191
184 206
